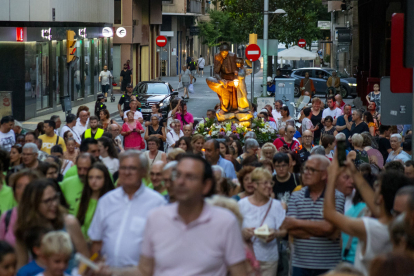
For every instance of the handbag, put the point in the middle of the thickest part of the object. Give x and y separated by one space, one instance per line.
250 243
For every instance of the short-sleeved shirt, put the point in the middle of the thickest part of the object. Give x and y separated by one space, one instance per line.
187 116
306 125
119 222
207 246
280 142
341 122
201 62
125 100
7 140
48 142
72 188
137 115
228 168
362 127
7 201
252 218
126 75
185 75
315 252
333 113
105 76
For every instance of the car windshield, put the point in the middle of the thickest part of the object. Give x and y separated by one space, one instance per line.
153 88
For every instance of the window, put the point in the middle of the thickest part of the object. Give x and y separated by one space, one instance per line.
117 12
320 74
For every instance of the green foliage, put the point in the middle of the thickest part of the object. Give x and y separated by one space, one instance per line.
327 58
221 27
300 20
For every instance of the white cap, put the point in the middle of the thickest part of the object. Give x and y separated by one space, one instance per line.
269 79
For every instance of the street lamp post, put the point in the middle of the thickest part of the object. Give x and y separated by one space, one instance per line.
265 41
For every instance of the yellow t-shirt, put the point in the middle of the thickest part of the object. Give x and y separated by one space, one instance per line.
49 142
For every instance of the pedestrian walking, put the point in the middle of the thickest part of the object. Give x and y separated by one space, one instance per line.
201 63
186 79
105 79
125 78
193 69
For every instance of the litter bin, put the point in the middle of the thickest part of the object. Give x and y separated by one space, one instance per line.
66 104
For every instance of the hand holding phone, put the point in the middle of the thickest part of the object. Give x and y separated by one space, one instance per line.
341 152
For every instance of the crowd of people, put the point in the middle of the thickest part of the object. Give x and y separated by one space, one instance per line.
333 197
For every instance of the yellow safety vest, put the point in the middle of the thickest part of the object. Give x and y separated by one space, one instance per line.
99 132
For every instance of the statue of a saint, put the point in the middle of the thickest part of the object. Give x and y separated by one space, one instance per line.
224 74
242 102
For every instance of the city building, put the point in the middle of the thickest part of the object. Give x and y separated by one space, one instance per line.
33 69
137 23
180 19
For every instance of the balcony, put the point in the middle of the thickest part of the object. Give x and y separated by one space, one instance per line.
194 6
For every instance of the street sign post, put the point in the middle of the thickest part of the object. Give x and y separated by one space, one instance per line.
161 41
252 53
302 43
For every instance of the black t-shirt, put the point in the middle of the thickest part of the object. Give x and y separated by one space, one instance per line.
303 154
193 65
281 188
126 76
125 100
362 127
383 146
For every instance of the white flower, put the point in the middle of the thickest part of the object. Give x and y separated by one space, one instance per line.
228 132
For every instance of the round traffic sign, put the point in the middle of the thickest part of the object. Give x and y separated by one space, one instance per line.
161 41
252 52
302 43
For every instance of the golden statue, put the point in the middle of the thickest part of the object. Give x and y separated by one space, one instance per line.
229 84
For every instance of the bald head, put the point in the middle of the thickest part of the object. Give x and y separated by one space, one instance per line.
188 130
338 98
156 173
114 130
307 137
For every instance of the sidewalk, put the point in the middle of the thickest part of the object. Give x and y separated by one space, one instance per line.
32 123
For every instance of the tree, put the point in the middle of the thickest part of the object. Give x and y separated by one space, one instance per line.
300 20
220 28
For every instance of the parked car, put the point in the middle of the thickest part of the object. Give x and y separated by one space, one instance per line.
319 76
154 92
286 70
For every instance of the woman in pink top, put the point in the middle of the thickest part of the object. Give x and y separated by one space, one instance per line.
18 182
132 130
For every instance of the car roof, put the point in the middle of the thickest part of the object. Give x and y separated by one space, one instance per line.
314 68
152 82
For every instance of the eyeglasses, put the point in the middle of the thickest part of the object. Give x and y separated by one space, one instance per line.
51 200
310 170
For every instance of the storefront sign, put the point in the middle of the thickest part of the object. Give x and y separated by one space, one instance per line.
47 34
82 32
19 34
121 32
107 32
324 25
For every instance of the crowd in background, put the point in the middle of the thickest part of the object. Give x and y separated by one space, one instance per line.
149 197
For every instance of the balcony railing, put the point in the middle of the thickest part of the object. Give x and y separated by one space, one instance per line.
194 6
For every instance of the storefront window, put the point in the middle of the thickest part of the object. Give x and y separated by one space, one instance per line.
58 77
117 12
87 67
95 44
78 74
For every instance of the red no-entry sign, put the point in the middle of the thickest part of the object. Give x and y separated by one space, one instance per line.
161 41
252 52
302 43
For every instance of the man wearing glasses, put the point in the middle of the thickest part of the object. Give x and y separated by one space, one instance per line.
287 142
304 150
284 181
29 158
316 249
276 111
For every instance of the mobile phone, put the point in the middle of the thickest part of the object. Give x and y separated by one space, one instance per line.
341 152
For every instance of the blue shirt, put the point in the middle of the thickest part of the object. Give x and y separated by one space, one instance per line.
271 88
340 121
297 135
32 269
353 212
228 167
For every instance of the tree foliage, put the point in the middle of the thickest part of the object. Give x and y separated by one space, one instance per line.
300 20
220 28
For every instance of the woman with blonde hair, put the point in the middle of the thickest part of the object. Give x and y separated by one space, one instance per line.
358 155
260 210
197 143
268 151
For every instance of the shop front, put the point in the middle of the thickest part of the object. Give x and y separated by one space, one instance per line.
33 67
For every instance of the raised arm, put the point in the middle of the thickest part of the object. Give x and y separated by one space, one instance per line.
352 227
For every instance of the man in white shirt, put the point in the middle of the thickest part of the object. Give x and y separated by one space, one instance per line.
137 115
332 110
82 122
7 137
201 62
104 78
118 225
276 111
58 122
70 124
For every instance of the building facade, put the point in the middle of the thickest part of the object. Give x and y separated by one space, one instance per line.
34 71
180 20
136 25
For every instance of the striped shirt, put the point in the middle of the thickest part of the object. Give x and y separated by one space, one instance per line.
315 252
